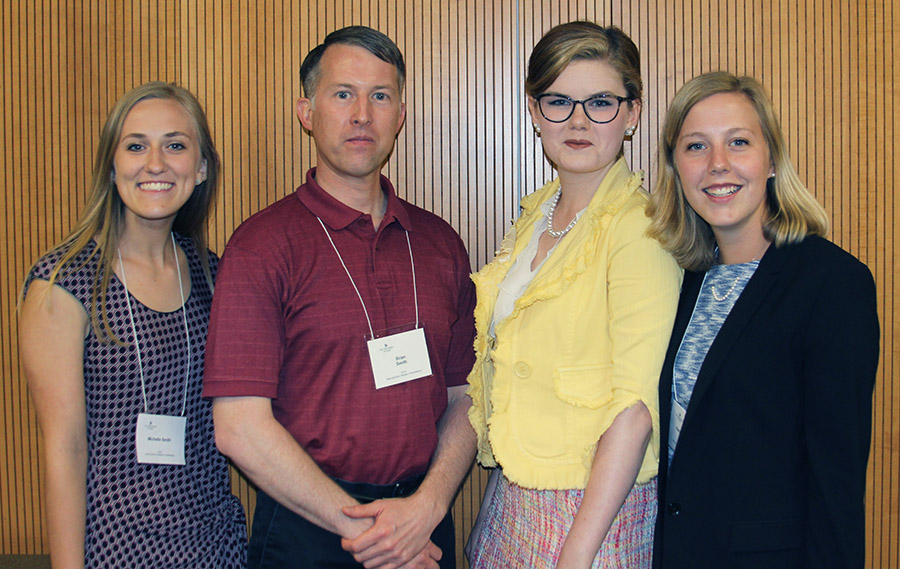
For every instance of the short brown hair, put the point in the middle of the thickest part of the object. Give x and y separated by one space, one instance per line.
365 37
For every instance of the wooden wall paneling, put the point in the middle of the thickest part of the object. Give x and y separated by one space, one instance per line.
509 108
849 127
478 113
889 426
25 37
16 486
243 46
402 26
863 130
246 19
884 471
221 34
421 71
868 133
840 231
295 45
536 18
466 124
805 161
63 140
654 37
797 113
276 114
7 504
452 53
8 507
447 157
427 105
825 64
12 412
229 77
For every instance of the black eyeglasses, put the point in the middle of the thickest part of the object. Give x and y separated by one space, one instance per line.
600 109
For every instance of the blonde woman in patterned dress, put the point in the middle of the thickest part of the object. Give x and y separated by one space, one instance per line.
573 318
112 332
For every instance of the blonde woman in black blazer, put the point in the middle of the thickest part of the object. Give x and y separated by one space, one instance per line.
766 389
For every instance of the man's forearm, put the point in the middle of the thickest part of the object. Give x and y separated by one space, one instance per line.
247 432
455 451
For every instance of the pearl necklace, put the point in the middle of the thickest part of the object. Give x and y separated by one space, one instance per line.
550 231
727 294
737 278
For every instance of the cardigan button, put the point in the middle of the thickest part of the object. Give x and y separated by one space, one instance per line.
674 508
522 370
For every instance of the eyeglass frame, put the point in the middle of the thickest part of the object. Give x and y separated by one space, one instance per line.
576 102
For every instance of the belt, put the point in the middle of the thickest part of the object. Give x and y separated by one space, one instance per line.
371 492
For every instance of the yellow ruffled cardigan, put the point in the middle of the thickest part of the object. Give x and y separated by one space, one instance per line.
585 341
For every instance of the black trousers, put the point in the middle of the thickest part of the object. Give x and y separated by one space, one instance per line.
281 539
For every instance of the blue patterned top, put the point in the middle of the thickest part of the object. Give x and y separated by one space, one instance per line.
722 285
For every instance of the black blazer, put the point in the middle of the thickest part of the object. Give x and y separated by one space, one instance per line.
770 467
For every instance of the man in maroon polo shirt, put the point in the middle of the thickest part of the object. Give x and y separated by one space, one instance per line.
340 340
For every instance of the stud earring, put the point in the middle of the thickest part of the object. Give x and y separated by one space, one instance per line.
629 131
537 128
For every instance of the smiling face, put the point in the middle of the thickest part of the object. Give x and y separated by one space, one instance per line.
578 147
157 161
723 163
355 115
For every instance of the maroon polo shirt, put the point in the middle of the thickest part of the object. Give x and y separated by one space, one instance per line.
286 324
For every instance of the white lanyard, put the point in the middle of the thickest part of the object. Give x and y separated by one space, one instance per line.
187 335
366 312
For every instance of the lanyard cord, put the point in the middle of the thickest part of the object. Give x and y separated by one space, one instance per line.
137 345
346 270
415 290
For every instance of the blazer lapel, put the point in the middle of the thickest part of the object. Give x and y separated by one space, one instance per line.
690 288
745 308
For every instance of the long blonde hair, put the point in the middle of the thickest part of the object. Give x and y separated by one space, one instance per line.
102 218
792 212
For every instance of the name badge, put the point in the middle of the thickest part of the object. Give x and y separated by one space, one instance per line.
159 439
675 421
399 358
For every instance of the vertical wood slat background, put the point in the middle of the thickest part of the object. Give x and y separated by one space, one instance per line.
466 152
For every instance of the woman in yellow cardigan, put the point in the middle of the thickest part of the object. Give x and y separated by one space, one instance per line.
573 319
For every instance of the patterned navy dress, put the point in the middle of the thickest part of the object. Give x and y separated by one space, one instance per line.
151 515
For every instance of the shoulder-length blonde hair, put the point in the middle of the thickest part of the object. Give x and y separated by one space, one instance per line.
102 218
791 211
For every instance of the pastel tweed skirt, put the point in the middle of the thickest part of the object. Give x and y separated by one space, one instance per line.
526 528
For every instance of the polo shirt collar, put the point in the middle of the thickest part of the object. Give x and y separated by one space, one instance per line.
338 215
